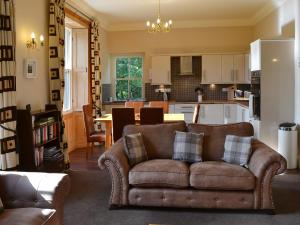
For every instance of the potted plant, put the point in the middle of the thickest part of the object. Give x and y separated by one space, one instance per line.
199 91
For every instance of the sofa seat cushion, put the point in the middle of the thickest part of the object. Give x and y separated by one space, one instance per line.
160 173
220 176
30 216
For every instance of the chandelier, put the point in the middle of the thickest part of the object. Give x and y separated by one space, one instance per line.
159 25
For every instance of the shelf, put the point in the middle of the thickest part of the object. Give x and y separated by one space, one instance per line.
40 145
44 125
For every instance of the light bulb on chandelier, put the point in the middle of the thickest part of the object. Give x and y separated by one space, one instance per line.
159 25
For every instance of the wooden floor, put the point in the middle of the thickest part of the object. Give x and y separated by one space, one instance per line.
78 159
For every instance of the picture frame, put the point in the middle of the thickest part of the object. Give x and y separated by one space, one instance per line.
30 68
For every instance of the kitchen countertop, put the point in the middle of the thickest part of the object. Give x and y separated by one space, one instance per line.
242 102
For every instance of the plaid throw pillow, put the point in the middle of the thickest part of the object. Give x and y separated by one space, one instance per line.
188 147
135 149
237 149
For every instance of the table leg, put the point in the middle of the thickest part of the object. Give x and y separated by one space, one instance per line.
108 133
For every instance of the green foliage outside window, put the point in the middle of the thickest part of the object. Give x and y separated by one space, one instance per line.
129 74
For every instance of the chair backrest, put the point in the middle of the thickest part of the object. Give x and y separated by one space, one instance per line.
149 115
135 105
120 118
88 120
162 104
196 113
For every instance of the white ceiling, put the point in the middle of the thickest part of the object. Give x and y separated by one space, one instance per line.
132 14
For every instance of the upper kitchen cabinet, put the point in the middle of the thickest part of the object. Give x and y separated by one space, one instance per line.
233 69
255 59
211 69
160 72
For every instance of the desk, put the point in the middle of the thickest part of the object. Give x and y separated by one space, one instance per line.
107 120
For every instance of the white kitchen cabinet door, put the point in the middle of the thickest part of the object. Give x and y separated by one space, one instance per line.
160 71
247 69
239 69
211 114
187 110
243 114
228 69
230 113
211 69
171 108
255 59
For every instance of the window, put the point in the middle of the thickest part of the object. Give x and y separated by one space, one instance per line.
68 70
129 77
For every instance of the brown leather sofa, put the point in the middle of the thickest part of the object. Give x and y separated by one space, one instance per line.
164 182
33 198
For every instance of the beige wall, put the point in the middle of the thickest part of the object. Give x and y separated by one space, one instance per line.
31 16
179 41
279 24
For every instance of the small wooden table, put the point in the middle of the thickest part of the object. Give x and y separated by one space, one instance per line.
107 120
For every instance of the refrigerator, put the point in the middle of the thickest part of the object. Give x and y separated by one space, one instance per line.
272 82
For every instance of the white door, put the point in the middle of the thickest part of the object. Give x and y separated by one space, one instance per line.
160 71
230 113
227 69
211 69
80 68
239 69
211 114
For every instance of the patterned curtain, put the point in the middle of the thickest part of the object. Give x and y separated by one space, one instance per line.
96 69
56 61
9 157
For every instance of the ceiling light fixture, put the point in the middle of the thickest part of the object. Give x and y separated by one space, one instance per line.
159 25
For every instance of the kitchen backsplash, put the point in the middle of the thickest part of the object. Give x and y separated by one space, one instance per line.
184 90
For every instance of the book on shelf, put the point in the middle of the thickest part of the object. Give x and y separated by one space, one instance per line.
45 133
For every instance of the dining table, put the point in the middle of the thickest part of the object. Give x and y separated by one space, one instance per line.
106 119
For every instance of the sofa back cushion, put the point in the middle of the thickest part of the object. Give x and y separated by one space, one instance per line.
158 139
214 137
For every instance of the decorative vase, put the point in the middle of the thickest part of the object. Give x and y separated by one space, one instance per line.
199 98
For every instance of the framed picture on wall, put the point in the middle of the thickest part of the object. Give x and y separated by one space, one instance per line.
30 68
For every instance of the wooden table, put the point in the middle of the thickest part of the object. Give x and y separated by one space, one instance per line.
107 120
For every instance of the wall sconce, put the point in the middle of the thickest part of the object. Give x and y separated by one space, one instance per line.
32 43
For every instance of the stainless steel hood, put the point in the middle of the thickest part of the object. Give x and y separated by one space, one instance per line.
186 65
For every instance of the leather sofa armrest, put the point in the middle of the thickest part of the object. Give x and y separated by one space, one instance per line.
116 162
265 163
263 157
33 189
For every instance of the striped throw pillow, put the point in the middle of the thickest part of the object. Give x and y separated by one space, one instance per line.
188 147
237 149
135 148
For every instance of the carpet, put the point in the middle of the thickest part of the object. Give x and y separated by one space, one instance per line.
87 204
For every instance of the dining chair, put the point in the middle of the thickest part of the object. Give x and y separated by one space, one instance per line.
151 115
120 118
92 135
162 104
135 105
196 113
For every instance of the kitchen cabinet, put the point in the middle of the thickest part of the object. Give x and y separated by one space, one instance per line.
255 58
211 114
243 114
233 69
247 69
211 69
187 110
230 113
160 72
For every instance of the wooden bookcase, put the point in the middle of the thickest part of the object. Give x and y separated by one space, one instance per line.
39 135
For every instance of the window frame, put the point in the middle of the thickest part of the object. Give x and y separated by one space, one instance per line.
69 69
129 78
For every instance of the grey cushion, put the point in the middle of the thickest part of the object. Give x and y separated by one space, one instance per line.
135 148
237 149
188 147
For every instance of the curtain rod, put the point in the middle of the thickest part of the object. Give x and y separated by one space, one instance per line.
78 11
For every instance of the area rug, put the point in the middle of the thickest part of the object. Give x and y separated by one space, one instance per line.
87 204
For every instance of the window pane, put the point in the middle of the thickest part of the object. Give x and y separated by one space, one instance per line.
67 93
122 67
122 90
136 89
136 67
68 49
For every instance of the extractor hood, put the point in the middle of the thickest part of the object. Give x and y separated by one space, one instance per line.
186 65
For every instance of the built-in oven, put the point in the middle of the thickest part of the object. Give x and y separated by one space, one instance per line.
254 100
